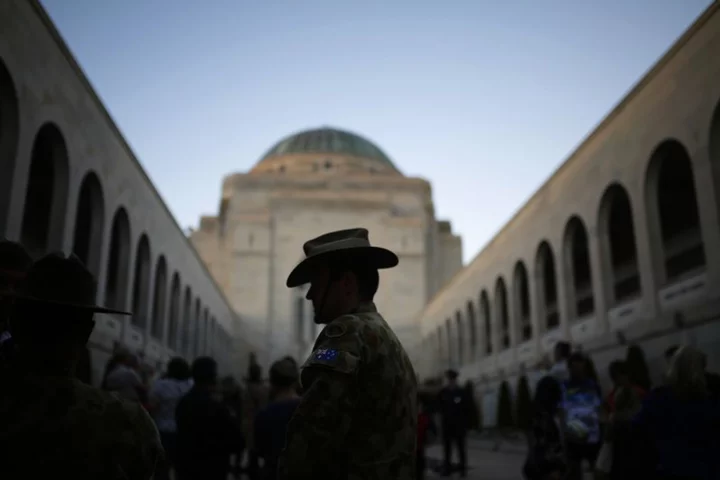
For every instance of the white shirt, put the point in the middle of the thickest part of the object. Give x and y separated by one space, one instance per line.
124 381
164 396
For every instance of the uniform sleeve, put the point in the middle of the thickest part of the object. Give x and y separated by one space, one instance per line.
323 417
143 447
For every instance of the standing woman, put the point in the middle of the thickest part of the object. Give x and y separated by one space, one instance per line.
163 399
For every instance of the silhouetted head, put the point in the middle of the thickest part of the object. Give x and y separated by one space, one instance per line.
178 369
204 372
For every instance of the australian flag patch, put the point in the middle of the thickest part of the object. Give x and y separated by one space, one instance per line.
326 354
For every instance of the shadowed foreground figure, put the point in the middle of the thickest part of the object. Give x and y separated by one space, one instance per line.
14 264
358 415
53 425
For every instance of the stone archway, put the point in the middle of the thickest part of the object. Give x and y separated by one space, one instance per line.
157 317
9 134
577 261
141 283
118 268
673 211
89 223
617 229
44 212
547 285
521 299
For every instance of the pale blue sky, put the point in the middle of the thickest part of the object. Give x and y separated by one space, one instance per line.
483 98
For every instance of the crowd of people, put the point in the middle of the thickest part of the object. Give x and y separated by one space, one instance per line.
356 416
669 432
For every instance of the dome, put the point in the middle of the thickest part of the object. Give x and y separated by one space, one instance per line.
327 142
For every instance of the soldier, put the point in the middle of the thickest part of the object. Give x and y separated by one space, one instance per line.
358 414
53 425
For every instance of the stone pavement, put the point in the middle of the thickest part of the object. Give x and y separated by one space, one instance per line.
488 459
484 461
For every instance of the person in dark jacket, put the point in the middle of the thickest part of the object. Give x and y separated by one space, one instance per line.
206 433
547 457
271 423
455 415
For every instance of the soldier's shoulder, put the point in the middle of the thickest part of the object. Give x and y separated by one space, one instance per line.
125 418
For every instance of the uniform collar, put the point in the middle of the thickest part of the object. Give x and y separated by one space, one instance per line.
365 307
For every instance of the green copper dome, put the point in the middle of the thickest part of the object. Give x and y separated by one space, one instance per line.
328 141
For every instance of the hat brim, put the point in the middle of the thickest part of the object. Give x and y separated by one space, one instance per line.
374 257
78 306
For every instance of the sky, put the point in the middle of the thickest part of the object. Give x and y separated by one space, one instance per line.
483 98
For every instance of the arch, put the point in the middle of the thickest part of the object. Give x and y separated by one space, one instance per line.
89 223
505 406
547 284
187 315
617 234
521 299
577 263
471 321
204 336
300 317
449 338
9 136
501 309
213 335
118 267
157 317
174 314
523 405
460 332
440 344
43 221
487 320
194 343
714 150
141 283
673 211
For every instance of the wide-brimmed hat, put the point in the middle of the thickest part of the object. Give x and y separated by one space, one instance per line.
353 243
63 281
14 262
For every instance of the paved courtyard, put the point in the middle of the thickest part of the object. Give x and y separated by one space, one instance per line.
485 463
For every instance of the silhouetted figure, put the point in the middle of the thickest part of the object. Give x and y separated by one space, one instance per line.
53 425
455 408
164 398
271 423
205 431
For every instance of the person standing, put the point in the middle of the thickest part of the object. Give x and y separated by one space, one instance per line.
455 417
358 414
206 434
272 422
581 411
53 425
165 394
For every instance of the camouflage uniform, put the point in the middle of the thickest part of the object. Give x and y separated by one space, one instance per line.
358 416
55 427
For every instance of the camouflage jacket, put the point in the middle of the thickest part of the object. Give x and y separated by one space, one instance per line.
60 427
358 415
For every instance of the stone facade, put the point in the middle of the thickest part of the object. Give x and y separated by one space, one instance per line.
69 181
268 213
620 246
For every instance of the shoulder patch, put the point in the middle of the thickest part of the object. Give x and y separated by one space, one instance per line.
333 359
334 330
